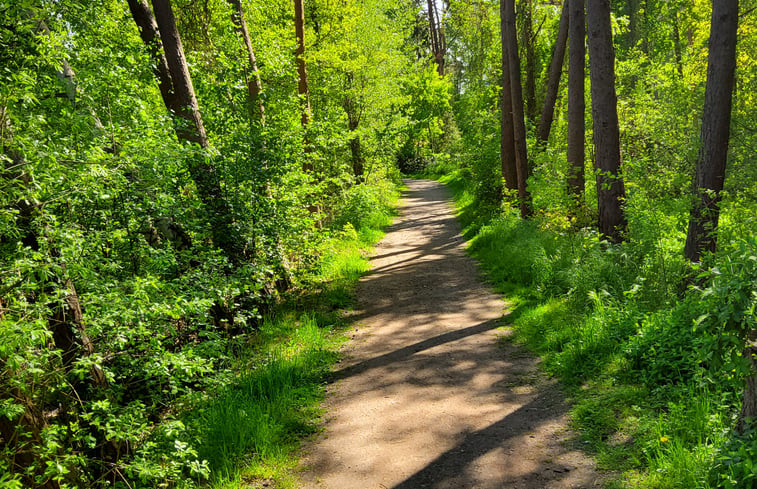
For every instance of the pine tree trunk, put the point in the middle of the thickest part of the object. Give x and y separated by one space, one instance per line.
610 188
716 121
576 103
519 123
507 140
254 85
553 84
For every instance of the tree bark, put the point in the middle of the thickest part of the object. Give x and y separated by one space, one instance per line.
507 140
576 102
161 36
67 77
610 188
716 120
254 85
302 74
148 31
354 114
553 83
633 23
438 46
528 49
516 91
188 108
749 402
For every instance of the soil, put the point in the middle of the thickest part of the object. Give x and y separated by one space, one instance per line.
430 393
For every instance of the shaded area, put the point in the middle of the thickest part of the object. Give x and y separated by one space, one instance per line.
426 397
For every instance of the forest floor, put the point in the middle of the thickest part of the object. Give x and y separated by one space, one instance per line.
430 393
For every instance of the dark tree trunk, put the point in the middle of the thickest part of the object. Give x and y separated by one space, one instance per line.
188 109
716 120
438 44
161 36
576 103
302 74
148 31
354 114
528 49
749 402
516 91
555 73
610 188
254 85
507 141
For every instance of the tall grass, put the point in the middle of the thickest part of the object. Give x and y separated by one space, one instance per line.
248 428
655 396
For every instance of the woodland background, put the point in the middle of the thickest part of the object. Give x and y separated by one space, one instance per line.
183 206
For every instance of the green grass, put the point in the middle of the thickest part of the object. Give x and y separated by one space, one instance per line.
249 429
614 324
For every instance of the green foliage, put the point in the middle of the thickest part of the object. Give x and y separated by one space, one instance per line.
100 215
655 370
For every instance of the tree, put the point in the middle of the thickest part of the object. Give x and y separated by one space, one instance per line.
553 82
610 188
302 74
510 38
576 103
354 111
507 139
716 120
254 85
438 42
179 98
528 39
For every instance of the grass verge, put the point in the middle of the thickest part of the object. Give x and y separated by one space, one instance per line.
248 431
655 387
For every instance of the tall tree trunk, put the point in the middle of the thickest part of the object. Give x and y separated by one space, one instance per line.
436 35
148 31
610 188
528 49
67 77
553 84
576 103
65 321
302 74
519 124
187 107
161 36
254 85
716 119
507 140
354 114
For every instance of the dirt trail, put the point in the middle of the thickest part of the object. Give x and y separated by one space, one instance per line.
426 396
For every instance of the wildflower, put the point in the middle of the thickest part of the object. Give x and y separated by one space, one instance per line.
664 439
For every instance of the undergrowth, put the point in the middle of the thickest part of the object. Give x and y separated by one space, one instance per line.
647 345
245 429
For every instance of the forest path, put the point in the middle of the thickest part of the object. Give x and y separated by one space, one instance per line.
426 396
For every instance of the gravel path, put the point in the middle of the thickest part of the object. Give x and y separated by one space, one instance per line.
426 397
